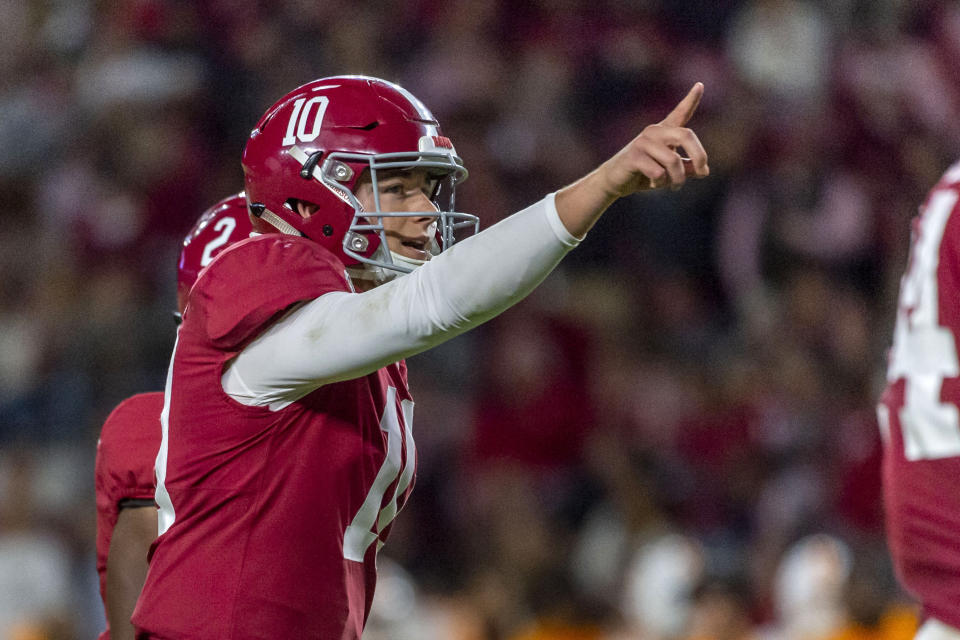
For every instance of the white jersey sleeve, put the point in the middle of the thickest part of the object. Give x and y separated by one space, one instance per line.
340 336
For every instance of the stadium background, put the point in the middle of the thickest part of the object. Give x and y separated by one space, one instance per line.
686 398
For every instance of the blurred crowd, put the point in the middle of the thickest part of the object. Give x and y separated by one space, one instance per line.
672 439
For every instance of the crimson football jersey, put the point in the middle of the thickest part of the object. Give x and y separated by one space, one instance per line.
126 452
270 520
918 412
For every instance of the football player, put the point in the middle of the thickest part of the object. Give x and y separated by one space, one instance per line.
287 447
919 418
130 438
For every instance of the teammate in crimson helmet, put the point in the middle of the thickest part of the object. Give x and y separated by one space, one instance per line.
287 445
918 416
130 438
216 229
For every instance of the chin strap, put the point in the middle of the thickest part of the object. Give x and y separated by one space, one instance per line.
404 261
368 273
379 275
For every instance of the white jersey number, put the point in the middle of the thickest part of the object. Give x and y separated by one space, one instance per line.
225 226
924 353
371 518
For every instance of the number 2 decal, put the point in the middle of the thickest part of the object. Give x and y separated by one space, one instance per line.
301 116
924 353
360 534
225 226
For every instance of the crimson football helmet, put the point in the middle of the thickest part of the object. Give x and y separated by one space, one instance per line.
315 143
216 229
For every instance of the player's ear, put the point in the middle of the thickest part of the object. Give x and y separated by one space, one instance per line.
305 209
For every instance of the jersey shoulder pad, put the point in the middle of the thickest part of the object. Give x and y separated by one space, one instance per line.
134 419
256 279
128 446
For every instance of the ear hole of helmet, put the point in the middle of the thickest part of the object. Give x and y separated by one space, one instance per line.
292 205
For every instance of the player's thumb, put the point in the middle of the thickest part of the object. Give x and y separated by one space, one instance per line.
682 113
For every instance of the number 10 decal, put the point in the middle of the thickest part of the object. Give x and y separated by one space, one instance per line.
361 533
301 117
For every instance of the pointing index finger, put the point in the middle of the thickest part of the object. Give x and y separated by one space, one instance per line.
682 113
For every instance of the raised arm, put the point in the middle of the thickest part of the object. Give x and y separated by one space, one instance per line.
341 336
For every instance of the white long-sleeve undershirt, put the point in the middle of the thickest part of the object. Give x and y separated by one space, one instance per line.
341 336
